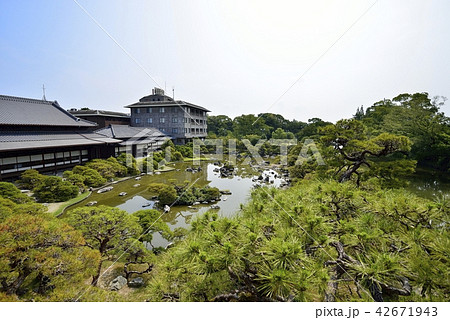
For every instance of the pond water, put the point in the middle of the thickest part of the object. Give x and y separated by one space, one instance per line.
429 184
423 183
240 185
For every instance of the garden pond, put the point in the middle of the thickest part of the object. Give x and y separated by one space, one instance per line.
239 185
138 197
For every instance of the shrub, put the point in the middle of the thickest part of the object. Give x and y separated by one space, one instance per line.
210 193
30 179
177 156
158 157
147 165
119 169
167 195
186 150
6 208
91 177
105 168
155 187
75 179
167 143
128 161
54 189
11 192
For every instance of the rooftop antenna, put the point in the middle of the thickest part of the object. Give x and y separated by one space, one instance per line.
173 93
43 92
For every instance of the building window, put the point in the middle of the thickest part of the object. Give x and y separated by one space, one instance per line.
162 129
174 130
149 110
137 110
150 120
162 110
174 120
162 120
137 121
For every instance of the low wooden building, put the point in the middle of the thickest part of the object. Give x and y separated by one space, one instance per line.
39 134
101 117
135 140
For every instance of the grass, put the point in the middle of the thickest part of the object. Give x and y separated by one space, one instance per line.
64 205
196 159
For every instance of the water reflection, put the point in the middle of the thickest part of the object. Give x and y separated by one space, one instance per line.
429 184
239 185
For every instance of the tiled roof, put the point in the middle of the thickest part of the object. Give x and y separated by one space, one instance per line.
179 103
126 132
99 113
35 140
33 112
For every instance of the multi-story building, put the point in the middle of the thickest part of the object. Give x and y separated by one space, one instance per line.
179 119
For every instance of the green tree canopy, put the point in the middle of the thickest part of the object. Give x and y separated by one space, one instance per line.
317 241
419 118
42 254
246 125
220 125
54 189
30 179
127 160
75 179
151 222
105 229
11 192
354 150
91 177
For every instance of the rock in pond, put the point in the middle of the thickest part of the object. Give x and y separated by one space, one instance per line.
106 189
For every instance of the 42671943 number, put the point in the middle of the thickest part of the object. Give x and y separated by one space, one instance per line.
407 311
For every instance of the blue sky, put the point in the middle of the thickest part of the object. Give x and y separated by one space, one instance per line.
232 57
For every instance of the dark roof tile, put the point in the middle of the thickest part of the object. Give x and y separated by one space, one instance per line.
33 112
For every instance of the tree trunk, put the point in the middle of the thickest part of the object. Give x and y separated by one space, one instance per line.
348 173
97 276
330 294
375 291
128 273
44 283
102 250
13 287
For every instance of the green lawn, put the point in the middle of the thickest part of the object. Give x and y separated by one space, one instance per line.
196 159
64 205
